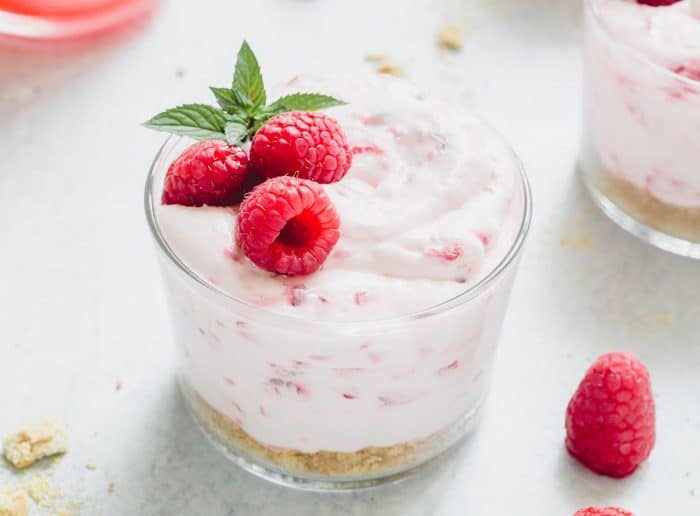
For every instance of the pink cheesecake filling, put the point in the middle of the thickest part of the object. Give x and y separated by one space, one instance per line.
425 212
432 204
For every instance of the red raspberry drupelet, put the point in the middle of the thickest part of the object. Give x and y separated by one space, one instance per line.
208 172
288 225
657 3
603 511
309 145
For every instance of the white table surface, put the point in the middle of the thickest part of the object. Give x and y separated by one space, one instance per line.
81 303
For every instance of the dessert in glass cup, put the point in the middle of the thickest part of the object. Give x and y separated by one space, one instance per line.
63 19
337 285
642 117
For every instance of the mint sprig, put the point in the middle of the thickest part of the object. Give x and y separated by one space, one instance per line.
242 108
198 121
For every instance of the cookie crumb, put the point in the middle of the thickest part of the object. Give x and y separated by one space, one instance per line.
679 221
368 460
35 487
576 241
450 37
376 57
111 487
180 72
39 490
91 465
384 63
119 384
13 504
390 67
44 438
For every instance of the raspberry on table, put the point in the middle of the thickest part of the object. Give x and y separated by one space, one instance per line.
610 420
288 225
603 511
305 144
208 172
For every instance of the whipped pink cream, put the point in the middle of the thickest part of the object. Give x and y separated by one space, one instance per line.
643 88
433 203
426 210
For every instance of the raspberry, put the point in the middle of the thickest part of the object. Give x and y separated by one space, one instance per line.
690 71
208 172
657 3
304 144
610 420
603 511
288 225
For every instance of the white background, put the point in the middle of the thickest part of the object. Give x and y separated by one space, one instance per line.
81 303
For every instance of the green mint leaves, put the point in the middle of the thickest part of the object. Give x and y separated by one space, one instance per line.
304 102
247 79
225 97
242 108
198 121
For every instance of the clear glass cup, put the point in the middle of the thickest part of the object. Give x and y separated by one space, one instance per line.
37 20
332 405
641 139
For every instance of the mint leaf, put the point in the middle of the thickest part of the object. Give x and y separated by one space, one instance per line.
226 99
243 101
247 79
236 132
198 121
304 102
232 101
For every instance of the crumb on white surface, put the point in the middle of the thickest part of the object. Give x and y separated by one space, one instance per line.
376 57
44 438
576 241
40 491
13 503
384 63
33 493
390 67
450 37
91 465
49 498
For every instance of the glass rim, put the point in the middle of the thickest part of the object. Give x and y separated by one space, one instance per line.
269 316
594 7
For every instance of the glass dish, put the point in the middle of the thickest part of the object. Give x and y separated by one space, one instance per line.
332 405
641 139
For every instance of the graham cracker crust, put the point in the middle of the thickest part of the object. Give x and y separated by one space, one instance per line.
370 461
639 203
